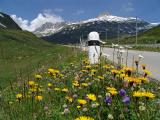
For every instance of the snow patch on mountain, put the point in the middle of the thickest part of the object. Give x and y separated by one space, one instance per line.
49 28
155 24
3 25
151 25
1 15
106 17
47 32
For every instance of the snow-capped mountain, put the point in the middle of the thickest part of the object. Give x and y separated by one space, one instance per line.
71 32
52 28
49 28
107 17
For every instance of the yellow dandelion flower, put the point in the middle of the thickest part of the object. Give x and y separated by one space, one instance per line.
84 118
78 106
53 72
65 90
70 99
114 71
75 83
83 71
31 83
101 77
88 67
106 67
86 62
137 94
122 71
33 90
38 77
85 84
93 71
91 97
50 70
38 98
144 79
143 66
122 75
111 89
143 94
136 80
61 75
148 95
19 96
113 92
50 85
128 70
132 80
82 102
146 73
57 89
56 71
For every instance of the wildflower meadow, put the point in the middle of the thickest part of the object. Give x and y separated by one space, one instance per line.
81 91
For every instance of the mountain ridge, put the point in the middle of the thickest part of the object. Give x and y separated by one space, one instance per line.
71 32
101 18
7 22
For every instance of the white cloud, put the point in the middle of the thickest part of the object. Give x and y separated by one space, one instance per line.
128 7
79 12
58 10
24 24
42 18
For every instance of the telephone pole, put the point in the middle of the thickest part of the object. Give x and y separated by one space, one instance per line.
118 33
136 31
106 35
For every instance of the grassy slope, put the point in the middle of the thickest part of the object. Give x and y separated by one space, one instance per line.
147 37
21 53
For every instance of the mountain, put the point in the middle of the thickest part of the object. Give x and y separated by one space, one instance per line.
71 32
150 36
49 28
7 22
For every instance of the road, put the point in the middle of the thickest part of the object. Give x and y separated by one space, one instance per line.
151 59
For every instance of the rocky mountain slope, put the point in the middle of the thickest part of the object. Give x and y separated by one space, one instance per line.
113 26
7 22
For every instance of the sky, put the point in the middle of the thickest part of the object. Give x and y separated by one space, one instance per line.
30 13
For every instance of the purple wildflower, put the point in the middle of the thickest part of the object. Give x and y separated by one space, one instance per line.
126 100
122 92
108 100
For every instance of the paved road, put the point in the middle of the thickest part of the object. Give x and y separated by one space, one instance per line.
152 59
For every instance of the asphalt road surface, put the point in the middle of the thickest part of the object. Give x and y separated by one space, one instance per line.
151 59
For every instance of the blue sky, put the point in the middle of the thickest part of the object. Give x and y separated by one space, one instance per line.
75 10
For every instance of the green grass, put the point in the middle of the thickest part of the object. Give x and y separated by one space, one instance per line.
21 53
150 36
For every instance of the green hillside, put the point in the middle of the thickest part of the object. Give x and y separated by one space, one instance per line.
22 53
150 36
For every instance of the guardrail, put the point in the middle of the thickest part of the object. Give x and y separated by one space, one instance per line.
141 45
